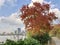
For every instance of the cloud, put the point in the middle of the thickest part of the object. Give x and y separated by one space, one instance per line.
11 23
38 1
57 13
32 1
10 2
41 1
12 19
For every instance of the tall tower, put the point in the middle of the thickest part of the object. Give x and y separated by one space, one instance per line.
18 32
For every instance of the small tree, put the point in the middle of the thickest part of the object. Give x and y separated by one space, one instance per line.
37 18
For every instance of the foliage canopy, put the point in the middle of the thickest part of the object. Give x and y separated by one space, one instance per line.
37 17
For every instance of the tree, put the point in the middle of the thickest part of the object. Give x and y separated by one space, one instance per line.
55 31
37 17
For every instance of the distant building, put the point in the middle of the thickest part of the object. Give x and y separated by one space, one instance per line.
16 35
19 30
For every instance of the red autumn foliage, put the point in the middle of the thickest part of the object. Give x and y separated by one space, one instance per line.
37 17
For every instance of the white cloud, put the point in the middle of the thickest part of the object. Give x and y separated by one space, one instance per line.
11 23
40 1
56 11
31 4
10 2
32 1
57 14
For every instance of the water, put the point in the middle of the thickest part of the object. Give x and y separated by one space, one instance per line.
15 38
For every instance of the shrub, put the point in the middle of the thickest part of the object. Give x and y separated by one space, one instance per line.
28 41
31 41
20 42
10 42
42 38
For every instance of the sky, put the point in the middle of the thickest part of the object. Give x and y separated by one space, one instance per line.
9 13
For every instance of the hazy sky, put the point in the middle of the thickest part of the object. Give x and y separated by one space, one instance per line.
9 11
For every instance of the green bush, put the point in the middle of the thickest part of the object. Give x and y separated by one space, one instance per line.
42 38
31 41
20 42
10 42
34 40
28 41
